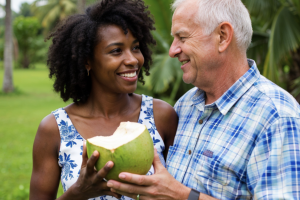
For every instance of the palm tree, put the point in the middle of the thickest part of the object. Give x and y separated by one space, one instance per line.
8 79
50 12
276 41
81 6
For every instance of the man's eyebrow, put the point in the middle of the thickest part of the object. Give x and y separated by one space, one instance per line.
178 32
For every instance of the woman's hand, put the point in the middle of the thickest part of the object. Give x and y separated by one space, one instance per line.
90 182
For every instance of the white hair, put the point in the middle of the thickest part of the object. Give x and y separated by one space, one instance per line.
213 12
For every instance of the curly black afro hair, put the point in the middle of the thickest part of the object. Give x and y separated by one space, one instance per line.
74 40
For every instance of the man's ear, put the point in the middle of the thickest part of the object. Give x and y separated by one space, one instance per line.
225 31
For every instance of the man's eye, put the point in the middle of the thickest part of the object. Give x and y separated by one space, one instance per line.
181 38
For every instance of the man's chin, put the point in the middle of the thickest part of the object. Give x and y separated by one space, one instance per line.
187 79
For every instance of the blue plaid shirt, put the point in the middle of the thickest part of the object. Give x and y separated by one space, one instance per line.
243 146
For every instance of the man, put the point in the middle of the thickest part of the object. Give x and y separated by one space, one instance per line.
238 133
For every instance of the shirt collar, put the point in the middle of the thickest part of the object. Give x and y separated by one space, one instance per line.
231 96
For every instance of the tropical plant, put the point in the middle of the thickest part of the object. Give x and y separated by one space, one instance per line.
165 81
50 12
8 56
25 10
26 31
276 41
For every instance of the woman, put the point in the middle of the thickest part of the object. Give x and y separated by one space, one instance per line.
96 59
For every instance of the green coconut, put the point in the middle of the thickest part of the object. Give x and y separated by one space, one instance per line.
130 148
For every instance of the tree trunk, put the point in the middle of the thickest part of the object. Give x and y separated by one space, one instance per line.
8 79
80 6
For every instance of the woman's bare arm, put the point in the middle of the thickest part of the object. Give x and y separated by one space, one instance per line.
166 121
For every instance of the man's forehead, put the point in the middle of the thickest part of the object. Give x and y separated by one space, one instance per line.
182 21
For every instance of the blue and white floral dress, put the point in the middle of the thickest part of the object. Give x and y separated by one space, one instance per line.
70 154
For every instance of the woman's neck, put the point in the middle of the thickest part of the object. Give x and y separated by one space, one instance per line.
108 105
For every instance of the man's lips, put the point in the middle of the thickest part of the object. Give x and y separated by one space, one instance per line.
184 62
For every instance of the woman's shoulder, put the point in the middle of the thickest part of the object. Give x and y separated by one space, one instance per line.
162 108
165 116
48 125
47 136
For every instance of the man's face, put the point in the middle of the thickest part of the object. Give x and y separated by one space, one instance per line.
196 51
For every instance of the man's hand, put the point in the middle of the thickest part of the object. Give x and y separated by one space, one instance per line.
160 185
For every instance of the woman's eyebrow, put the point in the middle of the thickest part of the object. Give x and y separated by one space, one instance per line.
135 41
115 44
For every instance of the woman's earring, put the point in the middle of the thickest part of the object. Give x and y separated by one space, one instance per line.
88 72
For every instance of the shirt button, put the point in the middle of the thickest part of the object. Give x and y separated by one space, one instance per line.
200 121
190 152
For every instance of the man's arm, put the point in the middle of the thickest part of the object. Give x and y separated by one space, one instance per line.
273 171
161 185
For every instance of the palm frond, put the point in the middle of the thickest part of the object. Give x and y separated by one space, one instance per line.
162 13
51 16
265 10
163 72
285 37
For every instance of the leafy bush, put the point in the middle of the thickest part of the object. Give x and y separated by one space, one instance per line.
26 31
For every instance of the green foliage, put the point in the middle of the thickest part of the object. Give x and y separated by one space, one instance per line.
26 32
25 10
50 12
21 114
276 39
165 81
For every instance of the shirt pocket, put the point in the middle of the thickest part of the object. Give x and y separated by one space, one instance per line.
216 181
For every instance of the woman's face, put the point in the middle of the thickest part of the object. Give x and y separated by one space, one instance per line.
117 60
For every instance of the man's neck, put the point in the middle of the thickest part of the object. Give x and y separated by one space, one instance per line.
226 76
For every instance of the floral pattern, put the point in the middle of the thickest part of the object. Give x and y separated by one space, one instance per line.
70 154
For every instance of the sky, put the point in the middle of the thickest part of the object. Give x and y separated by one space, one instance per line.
15 4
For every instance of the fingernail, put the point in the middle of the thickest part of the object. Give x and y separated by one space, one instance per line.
95 153
122 176
109 164
109 184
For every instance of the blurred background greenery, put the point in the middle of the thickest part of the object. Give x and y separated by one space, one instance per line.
26 91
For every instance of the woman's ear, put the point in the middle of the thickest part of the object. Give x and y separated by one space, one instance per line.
88 67
225 31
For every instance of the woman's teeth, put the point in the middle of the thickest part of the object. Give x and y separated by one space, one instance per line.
129 75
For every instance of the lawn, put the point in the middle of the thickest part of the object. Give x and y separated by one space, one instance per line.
20 115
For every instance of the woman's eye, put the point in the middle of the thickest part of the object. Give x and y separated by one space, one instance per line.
117 50
136 47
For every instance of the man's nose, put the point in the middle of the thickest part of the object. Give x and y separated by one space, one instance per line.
175 49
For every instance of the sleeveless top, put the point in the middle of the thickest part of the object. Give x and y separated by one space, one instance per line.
71 146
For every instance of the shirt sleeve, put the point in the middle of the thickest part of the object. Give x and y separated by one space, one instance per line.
273 170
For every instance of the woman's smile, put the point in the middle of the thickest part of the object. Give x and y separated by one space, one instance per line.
129 76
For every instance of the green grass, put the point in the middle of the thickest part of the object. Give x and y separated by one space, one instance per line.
20 115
